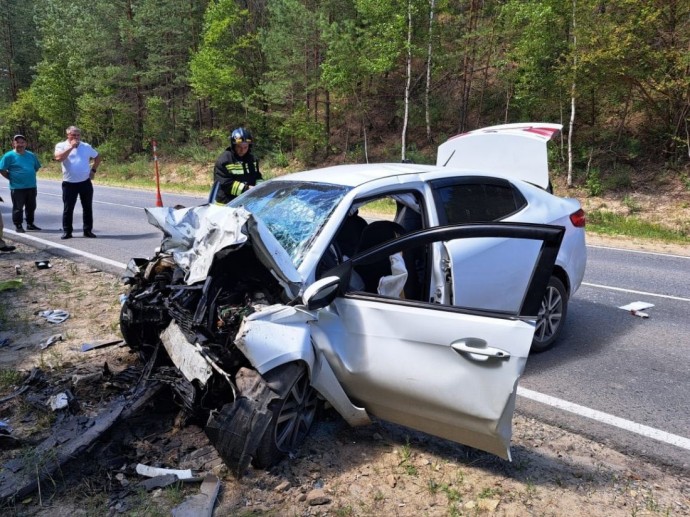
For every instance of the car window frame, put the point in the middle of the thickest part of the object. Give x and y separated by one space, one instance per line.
550 235
442 214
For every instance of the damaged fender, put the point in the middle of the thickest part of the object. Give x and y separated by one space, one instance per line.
276 335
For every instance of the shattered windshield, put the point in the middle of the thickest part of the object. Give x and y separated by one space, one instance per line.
293 212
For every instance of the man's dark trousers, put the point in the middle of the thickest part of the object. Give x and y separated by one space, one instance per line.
23 200
70 192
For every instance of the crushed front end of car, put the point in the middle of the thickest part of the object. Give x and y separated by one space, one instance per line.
216 265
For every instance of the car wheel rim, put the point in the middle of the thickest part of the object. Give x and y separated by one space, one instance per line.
297 415
550 314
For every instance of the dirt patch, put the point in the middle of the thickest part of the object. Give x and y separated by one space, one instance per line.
380 469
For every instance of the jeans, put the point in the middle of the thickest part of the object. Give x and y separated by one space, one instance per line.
70 193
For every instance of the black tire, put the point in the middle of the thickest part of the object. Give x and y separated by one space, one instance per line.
551 318
292 415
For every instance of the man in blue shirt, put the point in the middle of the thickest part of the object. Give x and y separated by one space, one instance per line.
20 167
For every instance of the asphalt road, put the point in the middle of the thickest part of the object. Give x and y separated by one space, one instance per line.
618 378
119 220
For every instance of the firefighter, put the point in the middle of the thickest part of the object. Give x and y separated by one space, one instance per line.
236 169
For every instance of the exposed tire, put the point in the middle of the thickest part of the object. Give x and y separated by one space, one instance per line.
271 418
292 415
552 314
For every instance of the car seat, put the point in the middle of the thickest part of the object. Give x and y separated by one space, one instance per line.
349 235
373 234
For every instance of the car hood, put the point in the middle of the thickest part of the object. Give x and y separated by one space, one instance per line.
194 235
510 150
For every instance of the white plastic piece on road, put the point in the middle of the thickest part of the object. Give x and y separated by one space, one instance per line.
151 472
637 306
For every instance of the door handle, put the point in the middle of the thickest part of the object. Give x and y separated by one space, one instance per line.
477 349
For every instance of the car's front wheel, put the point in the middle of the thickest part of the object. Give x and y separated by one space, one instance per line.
551 318
293 414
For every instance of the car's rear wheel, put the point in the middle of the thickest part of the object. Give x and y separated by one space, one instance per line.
551 318
293 414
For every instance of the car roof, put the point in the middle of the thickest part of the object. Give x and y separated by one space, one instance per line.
358 174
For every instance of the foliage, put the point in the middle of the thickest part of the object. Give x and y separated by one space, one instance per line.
313 79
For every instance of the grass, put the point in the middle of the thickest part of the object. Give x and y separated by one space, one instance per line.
9 378
608 223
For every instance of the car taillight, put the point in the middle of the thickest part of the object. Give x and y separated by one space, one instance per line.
578 218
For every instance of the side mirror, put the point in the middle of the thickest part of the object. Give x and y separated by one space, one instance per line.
321 293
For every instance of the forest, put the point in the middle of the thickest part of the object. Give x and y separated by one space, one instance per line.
351 80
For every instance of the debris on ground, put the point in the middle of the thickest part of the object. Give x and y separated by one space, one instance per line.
51 340
54 316
379 469
201 504
93 346
637 308
43 264
148 471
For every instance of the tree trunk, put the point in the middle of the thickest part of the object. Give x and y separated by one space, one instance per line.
408 80
432 6
572 101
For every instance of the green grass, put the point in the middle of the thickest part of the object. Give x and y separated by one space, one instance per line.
9 378
608 223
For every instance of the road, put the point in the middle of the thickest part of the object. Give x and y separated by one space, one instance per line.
119 221
627 367
618 378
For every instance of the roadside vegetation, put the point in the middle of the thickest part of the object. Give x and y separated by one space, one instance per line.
662 216
351 81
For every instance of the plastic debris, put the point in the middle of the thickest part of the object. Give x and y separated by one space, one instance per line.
159 482
54 316
43 264
18 269
52 339
637 308
59 401
201 504
92 346
148 471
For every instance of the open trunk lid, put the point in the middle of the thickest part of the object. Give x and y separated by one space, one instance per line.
513 150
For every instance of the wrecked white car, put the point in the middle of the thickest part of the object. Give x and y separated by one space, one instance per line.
255 351
406 292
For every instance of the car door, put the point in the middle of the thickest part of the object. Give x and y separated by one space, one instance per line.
476 199
448 371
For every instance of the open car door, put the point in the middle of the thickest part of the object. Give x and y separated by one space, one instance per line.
445 370
511 150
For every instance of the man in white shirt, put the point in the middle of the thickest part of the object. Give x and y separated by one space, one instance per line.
79 165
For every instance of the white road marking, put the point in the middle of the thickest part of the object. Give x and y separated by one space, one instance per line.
74 251
632 291
599 416
643 252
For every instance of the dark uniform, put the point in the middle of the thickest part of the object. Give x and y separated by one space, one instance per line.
236 168
234 174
